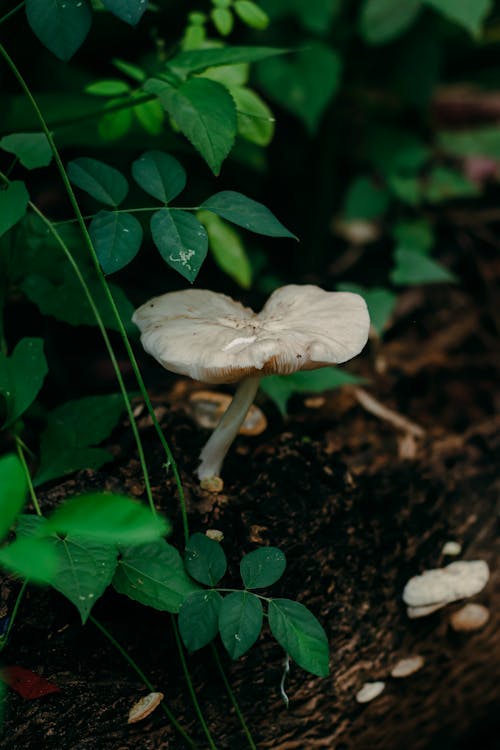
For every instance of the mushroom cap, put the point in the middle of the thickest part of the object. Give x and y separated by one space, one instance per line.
210 337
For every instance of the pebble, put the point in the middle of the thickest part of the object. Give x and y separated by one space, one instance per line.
469 618
407 666
369 691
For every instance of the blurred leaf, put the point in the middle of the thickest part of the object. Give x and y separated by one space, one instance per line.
151 116
227 249
304 85
32 149
130 11
14 201
115 124
300 634
116 238
204 559
153 574
407 188
365 200
229 75
223 20
384 20
469 14
246 213
108 87
280 388
199 619
444 183
262 567
181 240
21 377
132 71
205 113
13 489
415 235
251 14
255 119
314 15
380 302
198 60
483 141
397 151
72 429
106 518
104 183
61 25
159 175
240 622
411 267
34 559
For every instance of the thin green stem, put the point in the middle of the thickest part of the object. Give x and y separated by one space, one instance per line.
132 211
5 637
238 591
192 693
31 489
145 680
11 13
232 698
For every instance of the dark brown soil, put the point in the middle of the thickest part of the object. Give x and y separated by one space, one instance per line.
358 507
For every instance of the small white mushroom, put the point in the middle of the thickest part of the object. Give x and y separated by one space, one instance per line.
145 706
469 618
407 666
369 691
435 588
451 548
215 534
212 338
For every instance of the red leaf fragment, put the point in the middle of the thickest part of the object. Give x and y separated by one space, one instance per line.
26 683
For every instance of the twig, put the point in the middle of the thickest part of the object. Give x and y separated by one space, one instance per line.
397 420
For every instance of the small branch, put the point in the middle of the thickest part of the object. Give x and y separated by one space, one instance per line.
397 420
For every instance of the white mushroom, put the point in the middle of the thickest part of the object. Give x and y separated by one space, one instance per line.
407 666
370 691
212 338
435 588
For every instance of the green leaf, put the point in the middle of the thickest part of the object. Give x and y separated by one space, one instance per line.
104 183
106 518
227 249
21 377
395 151
255 119
199 619
14 201
380 302
415 235
32 149
132 71
151 116
114 125
304 85
13 489
444 183
313 15
365 200
159 175
484 141
154 575
262 567
34 559
61 25
246 213
411 267
72 429
251 14
240 622
223 20
205 559
205 113
130 11
280 388
108 87
198 60
116 238
383 20
181 240
470 15
300 634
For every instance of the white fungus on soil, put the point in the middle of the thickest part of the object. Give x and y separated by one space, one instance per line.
407 666
435 588
145 706
369 691
451 548
469 618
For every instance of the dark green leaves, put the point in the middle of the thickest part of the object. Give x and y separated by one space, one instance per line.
246 212
300 634
181 240
21 377
469 15
34 559
111 519
262 567
104 183
32 149
412 267
384 20
199 619
13 489
280 388
204 111
159 175
61 25
154 575
14 201
130 11
205 559
240 622
116 237
198 60
72 430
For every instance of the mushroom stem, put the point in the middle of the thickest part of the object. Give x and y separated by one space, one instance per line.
214 452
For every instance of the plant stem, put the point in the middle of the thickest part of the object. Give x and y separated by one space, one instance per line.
132 211
232 698
34 499
238 591
5 637
192 693
143 677
11 12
